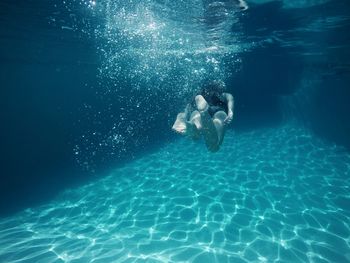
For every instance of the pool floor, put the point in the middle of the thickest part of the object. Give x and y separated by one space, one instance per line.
272 195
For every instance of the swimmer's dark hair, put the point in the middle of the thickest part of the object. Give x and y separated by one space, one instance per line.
213 86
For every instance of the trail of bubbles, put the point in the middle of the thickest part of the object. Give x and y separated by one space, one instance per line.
151 47
168 45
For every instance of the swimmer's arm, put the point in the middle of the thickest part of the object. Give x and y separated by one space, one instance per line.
230 106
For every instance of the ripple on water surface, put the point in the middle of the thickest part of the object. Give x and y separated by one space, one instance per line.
274 195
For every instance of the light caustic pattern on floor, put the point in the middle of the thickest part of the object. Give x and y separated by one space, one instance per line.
273 195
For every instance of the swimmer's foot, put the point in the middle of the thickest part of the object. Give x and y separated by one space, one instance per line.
180 124
202 104
185 128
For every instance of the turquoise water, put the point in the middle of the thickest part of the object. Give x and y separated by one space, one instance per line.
271 195
92 172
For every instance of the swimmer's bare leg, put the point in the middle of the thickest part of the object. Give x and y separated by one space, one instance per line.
242 4
209 128
194 125
189 128
219 122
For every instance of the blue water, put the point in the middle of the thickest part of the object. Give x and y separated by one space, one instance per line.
271 195
91 171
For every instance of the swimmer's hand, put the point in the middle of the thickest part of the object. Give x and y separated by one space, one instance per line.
229 117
